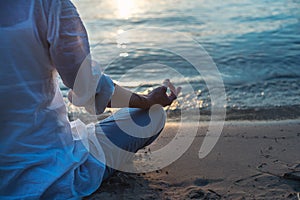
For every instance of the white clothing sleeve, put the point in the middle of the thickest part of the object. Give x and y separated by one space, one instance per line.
70 52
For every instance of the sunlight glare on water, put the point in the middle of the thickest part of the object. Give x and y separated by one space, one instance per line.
254 43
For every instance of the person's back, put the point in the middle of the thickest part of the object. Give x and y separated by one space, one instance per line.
38 157
42 154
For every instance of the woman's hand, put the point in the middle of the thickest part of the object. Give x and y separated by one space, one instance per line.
125 98
159 95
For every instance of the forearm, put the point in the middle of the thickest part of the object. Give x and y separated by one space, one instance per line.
125 98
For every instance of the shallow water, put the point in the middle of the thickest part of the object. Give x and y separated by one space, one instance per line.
255 45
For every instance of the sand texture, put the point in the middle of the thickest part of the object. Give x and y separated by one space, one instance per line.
252 160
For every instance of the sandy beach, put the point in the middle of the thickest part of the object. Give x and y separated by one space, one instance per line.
252 160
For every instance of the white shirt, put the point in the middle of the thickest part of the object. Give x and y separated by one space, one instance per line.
38 156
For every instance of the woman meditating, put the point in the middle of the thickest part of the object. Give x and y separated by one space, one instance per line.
42 154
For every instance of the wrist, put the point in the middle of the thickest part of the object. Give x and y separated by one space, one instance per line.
139 101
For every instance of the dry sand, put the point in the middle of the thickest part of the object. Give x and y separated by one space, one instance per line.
252 160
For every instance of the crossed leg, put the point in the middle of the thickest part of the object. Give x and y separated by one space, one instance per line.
127 131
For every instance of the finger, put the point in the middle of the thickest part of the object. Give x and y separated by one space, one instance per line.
172 88
178 90
166 83
164 89
172 97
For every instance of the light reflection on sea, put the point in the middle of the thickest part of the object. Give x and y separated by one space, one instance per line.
255 45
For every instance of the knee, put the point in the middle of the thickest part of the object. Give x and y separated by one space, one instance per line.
158 116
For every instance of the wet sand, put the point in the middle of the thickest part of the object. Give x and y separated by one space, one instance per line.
252 160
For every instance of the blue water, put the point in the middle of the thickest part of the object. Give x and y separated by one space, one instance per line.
255 45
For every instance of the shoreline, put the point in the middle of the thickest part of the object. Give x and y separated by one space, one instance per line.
291 113
287 122
251 160
276 113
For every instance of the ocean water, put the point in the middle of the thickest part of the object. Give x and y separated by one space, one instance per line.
254 44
